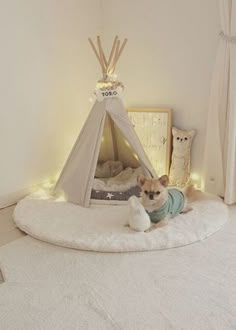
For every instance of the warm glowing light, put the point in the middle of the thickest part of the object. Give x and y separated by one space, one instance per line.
127 143
47 185
61 198
55 177
196 180
136 156
103 138
195 176
109 84
114 76
202 186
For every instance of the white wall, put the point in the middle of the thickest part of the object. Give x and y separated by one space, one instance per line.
169 57
48 72
47 75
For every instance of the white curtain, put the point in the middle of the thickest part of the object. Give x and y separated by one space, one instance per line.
220 150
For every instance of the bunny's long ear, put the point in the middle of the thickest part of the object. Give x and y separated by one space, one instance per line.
164 180
141 180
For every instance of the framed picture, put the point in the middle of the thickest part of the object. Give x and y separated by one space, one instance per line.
153 127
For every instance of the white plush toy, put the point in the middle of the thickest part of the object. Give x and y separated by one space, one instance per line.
138 218
180 161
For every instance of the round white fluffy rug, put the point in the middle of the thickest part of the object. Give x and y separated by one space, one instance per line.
103 229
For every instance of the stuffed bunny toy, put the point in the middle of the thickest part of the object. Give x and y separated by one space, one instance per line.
180 161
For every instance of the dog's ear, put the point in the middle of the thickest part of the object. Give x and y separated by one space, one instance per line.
164 180
141 180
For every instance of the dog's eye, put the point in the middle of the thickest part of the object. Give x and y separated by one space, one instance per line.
177 138
157 192
186 138
146 192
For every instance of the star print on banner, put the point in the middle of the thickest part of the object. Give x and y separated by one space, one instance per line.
109 195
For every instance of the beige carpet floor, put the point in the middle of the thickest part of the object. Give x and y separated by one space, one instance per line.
8 230
49 287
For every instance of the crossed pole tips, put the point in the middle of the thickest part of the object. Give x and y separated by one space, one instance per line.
108 65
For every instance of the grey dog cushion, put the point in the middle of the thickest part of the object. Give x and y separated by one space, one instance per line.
116 195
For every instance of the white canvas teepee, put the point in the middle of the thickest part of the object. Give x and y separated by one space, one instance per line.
107 134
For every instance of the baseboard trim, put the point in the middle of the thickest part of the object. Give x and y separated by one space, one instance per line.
14 197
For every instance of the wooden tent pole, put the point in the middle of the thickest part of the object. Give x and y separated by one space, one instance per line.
105 60
122 48
101 56
108 65
95 52
120 52
112 52
115 56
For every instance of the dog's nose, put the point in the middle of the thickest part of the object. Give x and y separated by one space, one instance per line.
151 196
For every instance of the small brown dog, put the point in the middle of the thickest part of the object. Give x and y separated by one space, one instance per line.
162 203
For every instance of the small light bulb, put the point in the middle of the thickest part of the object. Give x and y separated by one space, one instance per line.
47 185
61 198
195 176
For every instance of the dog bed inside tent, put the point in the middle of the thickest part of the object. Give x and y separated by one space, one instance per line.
117 169
114 184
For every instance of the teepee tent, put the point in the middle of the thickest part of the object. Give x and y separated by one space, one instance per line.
107 135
